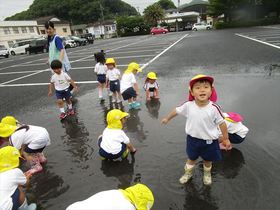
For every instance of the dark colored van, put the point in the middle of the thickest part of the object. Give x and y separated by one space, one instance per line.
37 46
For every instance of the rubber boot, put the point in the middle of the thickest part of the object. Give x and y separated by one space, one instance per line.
25 206
207 179
124 154
35 165
187 176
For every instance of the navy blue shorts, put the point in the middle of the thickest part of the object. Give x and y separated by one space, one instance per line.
115 86
152 89
235 139
101 78
199 148
15 198
110 156
63 94
129 93
28 150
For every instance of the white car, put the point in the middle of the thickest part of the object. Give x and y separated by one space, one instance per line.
68 43
201 26
4 52
19 47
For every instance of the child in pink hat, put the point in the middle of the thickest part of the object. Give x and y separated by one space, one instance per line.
204 117
237 131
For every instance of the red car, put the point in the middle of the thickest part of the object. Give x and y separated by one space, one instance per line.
159 30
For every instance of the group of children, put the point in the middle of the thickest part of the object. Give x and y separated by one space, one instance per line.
208 131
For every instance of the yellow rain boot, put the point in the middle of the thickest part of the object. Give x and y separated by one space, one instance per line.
188 174
207 179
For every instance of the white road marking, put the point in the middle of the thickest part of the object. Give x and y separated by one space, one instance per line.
157 56
256 40
131 56
44 83
32 74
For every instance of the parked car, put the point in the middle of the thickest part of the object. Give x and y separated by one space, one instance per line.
188 27
158 30
201 26
68 43
89 37
4 52
37 45
79 41
19 47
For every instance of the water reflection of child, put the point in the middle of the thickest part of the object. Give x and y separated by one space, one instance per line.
134 124
153 107
114 143
236 130
151 86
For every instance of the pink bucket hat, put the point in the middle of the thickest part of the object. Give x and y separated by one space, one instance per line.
233 117
213 97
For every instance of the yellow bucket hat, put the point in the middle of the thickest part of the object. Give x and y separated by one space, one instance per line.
140 196
152 75
6 130
110 61
133 66
10 120
9 158
114 118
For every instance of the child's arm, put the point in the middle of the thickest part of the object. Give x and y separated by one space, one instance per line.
73 84
51 86
131 148
170 116
225 140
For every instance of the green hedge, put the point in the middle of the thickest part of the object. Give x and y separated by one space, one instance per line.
247 23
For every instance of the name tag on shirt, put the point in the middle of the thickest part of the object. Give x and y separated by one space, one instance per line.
209 141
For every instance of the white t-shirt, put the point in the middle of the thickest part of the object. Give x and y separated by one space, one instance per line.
127 81
112 139
148 85
100 68
9 181
202 122
237 128
106 200
35 137
113 74
61 81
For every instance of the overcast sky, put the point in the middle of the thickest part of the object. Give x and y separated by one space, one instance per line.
10 7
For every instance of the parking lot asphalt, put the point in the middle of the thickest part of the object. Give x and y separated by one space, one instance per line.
246 76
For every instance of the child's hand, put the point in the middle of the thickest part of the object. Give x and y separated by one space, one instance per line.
227 144
164 121
50 93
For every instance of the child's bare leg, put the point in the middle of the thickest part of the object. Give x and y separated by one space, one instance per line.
100 90
156 93
21 195
69 103
148 97
60 105
131 148
119 99
114 96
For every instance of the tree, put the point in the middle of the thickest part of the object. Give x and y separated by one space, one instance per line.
76 10
166 4
133 25
226 7
272 6
153 14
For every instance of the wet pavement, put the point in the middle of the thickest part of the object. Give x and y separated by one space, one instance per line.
247 81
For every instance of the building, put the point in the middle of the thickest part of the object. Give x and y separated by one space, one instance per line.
106 30
13 31
62 28
79 29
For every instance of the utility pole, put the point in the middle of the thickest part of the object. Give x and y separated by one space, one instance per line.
177 25
102 19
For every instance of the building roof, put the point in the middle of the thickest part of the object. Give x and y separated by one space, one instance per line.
17 23
43 20
194 2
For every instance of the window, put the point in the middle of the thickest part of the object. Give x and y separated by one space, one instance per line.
15 30
42 31
24 30
7 30
64 30
31 29
15 45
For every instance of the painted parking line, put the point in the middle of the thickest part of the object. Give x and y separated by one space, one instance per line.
44 84
129 56
161 53
256 40
43 70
